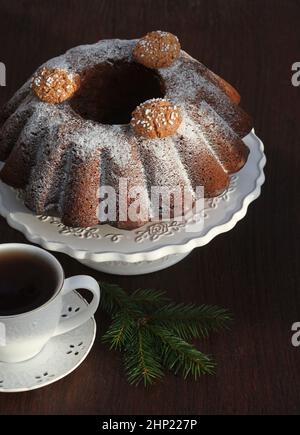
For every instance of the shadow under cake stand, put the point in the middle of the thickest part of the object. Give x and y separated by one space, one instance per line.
152 247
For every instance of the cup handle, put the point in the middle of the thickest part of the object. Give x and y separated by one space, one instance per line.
73 283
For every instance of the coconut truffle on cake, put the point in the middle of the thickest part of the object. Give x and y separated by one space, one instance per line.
144 111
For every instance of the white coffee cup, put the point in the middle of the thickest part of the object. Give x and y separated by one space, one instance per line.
22 336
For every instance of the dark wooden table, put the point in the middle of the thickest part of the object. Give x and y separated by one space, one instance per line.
254 269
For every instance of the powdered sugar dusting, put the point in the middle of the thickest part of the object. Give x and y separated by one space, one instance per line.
188 86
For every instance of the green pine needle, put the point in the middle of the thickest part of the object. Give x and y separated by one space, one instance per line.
180 356
190 321
113 297
153 333
149 298
142 364
120 331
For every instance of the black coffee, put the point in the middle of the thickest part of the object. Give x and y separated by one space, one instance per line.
27 281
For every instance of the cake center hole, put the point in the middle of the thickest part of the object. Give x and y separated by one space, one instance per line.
110 91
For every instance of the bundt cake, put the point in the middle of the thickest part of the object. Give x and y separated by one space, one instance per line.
142 110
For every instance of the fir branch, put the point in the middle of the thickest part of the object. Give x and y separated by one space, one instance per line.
153 333
149 298
180 356
114 298
120 331
190 321
142 364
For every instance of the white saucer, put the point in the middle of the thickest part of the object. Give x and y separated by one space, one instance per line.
60 356
152 247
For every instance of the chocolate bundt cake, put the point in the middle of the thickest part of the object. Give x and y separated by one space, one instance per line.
143 110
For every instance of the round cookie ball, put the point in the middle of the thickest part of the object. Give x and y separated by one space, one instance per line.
55 85
157 49
156 118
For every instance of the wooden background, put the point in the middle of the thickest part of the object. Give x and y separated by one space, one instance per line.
254 269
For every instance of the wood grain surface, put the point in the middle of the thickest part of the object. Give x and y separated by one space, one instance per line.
254 269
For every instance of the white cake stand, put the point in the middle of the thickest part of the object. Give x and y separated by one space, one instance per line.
152 247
